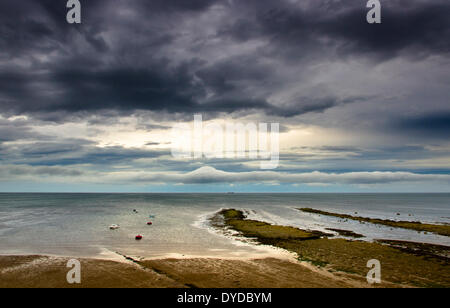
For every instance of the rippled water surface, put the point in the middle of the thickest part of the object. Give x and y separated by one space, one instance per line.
78 224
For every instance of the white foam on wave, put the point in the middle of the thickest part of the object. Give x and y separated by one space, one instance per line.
250 249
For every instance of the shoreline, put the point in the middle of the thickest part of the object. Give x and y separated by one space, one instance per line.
404 264
439 229
28 272
297 259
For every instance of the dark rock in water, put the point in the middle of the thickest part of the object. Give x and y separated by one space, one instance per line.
421 249
347 233
441 229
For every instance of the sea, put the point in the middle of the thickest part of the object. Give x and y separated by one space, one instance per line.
78 225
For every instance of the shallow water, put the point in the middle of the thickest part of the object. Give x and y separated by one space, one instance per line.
78 224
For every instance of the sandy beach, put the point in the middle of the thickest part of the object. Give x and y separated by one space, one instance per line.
50 272
283 257
299 259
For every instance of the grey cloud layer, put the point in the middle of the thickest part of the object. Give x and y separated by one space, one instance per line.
197 56
73 152
211 175
311 62
208 175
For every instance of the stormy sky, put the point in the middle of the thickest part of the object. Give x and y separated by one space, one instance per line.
89 108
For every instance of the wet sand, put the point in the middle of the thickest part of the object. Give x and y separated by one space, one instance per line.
50 272
298 259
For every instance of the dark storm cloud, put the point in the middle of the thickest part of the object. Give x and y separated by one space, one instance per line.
73 152
176 5
45 149
155 89
17 130
29 27
436 125
108 156
425 29
122 58
421 27
7 172
304 105
126 90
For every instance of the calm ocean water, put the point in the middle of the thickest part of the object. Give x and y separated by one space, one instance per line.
78 224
